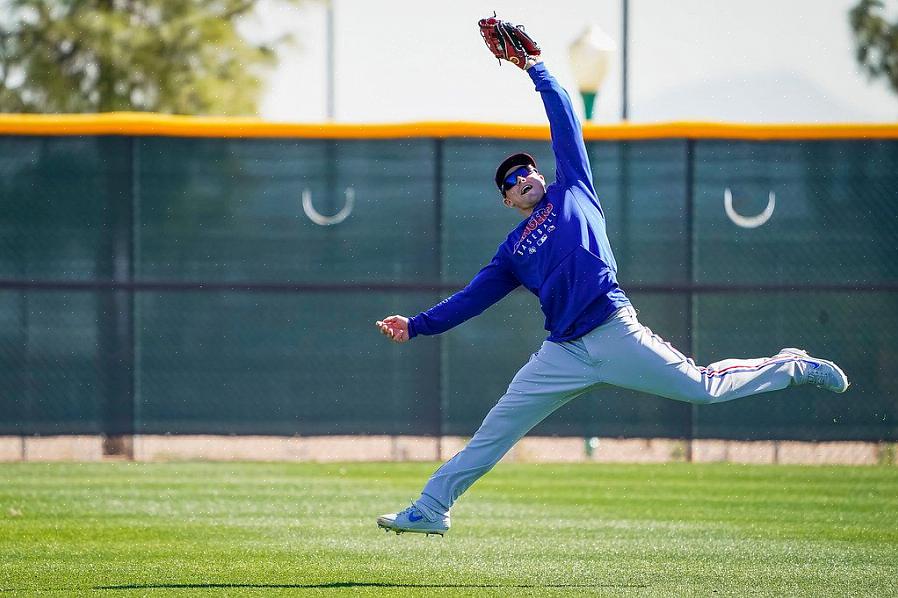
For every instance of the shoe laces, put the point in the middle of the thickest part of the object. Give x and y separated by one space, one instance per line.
410 509
818 376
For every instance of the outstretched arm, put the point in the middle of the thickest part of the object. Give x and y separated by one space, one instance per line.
511 42
490 285
572 163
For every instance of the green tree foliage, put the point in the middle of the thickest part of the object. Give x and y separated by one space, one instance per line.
876 40
170 56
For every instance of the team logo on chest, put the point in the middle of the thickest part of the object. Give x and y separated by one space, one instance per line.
537 230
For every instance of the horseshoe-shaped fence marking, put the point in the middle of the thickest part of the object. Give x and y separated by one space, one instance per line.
748 221
322 220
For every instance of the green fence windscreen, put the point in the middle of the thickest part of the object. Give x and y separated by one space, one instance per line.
180 285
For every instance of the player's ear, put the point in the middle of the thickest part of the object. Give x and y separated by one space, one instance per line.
507 202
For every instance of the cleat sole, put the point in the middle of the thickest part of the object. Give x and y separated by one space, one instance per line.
387 528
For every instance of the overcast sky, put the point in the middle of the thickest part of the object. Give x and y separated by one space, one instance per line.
717 60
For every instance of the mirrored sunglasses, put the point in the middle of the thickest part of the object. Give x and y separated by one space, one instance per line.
512 179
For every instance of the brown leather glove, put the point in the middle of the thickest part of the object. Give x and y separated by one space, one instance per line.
507 41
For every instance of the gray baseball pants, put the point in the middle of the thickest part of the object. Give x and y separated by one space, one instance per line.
621 352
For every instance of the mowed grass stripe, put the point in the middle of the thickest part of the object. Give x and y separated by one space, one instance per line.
644 530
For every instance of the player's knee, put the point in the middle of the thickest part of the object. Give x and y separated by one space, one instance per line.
698 395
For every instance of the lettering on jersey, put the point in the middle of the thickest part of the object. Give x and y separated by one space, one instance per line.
543 216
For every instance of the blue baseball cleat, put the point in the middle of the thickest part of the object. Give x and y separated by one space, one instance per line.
820 372
413 520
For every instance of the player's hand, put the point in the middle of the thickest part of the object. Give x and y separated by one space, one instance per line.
395 328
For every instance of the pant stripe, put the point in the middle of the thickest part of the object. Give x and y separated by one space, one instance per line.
745 368
669 346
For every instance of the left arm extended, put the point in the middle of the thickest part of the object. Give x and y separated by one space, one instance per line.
572 163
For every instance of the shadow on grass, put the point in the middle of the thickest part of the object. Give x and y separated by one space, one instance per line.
359 584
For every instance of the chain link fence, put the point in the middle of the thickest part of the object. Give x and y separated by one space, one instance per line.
155 285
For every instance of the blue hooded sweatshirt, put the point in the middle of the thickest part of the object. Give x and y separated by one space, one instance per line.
560 253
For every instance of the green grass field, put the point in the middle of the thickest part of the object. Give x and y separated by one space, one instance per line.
644 530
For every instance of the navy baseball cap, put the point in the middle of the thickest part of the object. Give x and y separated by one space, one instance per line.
510 163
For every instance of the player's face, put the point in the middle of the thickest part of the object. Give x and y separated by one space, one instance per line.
524 188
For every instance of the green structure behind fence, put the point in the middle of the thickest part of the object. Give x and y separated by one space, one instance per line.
157 285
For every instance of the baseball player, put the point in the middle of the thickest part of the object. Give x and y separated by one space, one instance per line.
560 252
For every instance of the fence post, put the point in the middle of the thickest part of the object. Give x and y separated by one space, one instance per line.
441 395
115 308
690 274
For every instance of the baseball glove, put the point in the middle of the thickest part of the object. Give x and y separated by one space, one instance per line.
507 41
